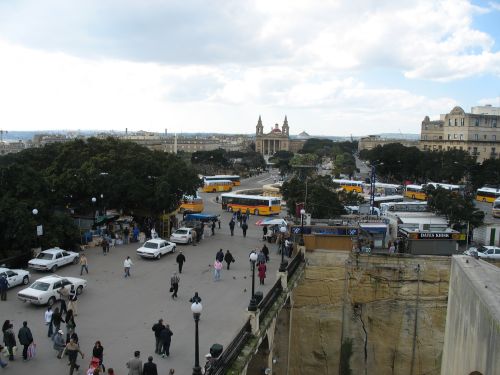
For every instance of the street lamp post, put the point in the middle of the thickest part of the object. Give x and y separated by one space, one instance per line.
35 212
302 213
284 263
253 303
196 308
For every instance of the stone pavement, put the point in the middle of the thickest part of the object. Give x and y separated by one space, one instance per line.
120 312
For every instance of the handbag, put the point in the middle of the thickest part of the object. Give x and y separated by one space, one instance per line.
32 350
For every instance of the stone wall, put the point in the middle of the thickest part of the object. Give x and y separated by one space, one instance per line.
388 311
472 340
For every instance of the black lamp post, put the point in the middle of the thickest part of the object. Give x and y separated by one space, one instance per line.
196 308
253 303
284 263
35 212
302 213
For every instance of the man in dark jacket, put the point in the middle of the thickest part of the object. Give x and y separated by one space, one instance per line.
25 339
180 260
244 228
231 227
220 255
228 258
4 285
150 367
166 338
157 328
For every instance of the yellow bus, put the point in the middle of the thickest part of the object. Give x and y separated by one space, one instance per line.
415 192
234 178
215 186
191 204
487 194
495 211
350 185
256 204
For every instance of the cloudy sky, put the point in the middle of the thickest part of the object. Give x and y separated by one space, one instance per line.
335 67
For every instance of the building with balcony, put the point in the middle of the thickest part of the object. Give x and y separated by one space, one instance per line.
476 132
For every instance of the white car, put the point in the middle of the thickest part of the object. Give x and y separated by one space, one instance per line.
52 259
44 291
485 252
15 277
182 235
155 248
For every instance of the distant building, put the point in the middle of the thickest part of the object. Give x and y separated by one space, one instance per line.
372 141
476 132
12 147
277 139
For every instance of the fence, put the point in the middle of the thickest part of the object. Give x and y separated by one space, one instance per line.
294 264
223 363
269 299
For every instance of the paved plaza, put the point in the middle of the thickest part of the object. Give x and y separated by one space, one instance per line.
120 311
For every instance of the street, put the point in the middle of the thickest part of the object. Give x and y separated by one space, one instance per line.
120 311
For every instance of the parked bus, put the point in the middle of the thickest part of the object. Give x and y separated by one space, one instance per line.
350 185
215 186
453 188
256 204
381 188
403 207
495 211
415 192
386 199
234 178
191 204
487 194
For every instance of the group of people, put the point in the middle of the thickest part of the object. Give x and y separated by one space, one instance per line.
219 258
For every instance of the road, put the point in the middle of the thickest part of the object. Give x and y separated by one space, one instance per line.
120 312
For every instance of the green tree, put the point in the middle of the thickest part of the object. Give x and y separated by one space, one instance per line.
282 161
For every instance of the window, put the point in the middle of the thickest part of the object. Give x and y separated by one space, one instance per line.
449 136
494 124
461 137
476 137
494 137
455 122
462 122
449 122
485 137
455 136
476 122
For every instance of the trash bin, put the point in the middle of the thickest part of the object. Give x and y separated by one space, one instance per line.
258 296
216 350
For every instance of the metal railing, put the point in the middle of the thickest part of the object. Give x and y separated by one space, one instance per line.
269 299
223 363
294 264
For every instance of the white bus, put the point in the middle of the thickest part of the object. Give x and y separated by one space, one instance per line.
403 207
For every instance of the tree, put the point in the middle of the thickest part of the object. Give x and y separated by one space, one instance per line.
323 199
282 160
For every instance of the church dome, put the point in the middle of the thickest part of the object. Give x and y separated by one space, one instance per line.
276 129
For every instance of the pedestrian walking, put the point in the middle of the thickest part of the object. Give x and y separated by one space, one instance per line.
73 300
153 233
174 284
126 266
83 264
262 272
265 250
217 270
135 233
9 339
98 352
180 260
171 371
48 320
4 285
150 367
213 228
194 236
261 257
57 319
2 363
264 232
220 255
126 234
392 249
72 348
157 328
134 365
231 226
25 339
59 342
244 228
63 296
70 322
228 258
238 217
166 338
105 246
218 220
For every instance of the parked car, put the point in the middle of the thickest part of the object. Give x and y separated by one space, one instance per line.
181 235
155 248
15 277
485 252
52 259
45 290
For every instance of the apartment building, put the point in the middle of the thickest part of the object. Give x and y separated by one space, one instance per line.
476 132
